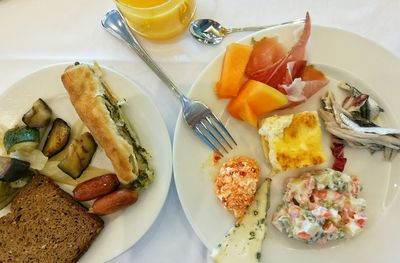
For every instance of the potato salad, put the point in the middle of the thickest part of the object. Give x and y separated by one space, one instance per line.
321 205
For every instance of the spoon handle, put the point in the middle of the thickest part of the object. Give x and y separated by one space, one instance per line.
116 25
256 28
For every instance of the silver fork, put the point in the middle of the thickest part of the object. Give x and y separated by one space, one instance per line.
196 114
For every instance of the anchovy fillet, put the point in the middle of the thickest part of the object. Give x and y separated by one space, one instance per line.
339 122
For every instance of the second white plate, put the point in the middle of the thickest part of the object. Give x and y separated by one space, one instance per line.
344 57
124 228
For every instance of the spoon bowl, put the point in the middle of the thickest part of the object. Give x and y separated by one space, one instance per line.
210 32
207 31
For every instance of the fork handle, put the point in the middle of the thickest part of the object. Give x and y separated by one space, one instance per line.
116 25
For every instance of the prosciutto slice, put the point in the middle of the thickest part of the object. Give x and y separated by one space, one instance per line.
275 74
309 88
266 52
294 69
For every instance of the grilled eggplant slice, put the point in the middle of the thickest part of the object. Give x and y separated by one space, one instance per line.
57 139
12 169
23 137
80 153
38 116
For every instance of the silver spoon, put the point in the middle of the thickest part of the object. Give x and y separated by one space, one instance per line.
208 31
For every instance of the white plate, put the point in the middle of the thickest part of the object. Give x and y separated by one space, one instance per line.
343 56
124 228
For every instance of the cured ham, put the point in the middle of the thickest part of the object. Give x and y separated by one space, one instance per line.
276 78
311 73
295 70
266 52
310 87
275 74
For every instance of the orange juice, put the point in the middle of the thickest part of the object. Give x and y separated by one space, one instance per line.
157 19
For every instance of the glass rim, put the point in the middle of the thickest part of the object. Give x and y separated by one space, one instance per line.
143 8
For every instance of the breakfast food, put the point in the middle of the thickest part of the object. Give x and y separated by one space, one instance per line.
115 201
250 104
272 77
232 74
321 205
101 112
96 187
79 155
21 137
39 115
236 184
243 241
57 138
274 71
354 121
46 225
292 141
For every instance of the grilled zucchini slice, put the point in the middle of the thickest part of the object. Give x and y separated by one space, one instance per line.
57 139
23 137
38 116
80 153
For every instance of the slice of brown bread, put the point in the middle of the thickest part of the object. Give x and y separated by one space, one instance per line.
46 225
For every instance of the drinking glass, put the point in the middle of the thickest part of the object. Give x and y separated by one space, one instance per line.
157 19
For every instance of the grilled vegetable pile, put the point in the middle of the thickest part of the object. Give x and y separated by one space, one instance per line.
22 144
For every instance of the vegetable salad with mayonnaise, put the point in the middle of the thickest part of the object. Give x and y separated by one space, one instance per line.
321 205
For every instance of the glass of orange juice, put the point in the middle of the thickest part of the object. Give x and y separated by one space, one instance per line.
157 19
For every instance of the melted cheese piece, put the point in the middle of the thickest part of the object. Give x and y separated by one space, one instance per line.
294 145
243 242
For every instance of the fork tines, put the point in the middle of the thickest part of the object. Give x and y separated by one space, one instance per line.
214 134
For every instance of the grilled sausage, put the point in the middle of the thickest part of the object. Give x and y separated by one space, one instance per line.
115 201
96 187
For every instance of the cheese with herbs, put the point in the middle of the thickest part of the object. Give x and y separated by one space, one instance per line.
243 241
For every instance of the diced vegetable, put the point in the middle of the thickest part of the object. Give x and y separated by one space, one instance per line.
235 62
12 169
38 116
23 137
80 153
58 137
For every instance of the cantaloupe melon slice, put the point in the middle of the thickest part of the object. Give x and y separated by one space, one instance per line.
232 74
255 99
262 98
248 115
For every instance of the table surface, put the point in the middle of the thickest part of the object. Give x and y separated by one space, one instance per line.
37 33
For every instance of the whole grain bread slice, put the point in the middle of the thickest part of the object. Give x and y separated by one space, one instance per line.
46 225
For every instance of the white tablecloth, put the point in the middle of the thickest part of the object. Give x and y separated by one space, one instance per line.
42 32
